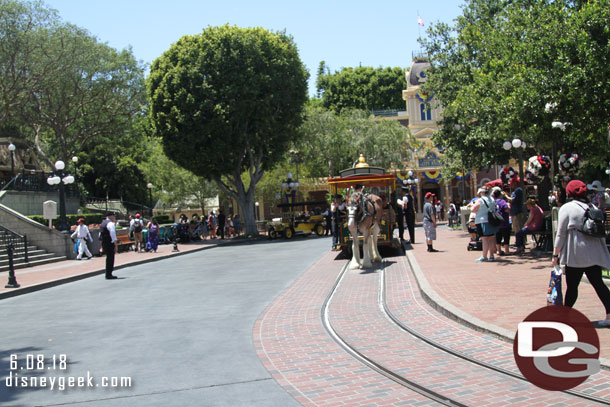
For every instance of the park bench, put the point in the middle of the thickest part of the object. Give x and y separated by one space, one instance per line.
542 237
125 243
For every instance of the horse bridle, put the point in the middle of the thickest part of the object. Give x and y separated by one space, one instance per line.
362 202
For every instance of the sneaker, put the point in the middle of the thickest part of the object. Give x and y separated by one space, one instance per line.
605 322
480 259
433 251
492 258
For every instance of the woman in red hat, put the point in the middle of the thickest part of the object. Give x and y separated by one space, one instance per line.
580 252
83 235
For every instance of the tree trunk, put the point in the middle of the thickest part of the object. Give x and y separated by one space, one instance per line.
246 208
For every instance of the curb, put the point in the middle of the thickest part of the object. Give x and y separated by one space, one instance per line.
70 279
449 310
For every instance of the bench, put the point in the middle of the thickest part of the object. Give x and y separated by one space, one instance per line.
125 243
542 237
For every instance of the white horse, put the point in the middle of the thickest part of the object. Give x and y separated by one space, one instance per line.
364 215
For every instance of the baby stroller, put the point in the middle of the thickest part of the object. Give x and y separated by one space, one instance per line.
475 243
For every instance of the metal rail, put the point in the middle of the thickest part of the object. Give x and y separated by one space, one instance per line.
8 236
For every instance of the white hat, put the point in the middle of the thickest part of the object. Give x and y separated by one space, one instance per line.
482 189
596 186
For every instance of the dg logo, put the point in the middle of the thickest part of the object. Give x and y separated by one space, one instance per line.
556 348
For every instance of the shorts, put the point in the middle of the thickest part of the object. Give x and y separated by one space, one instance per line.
485 229
430 231
503 234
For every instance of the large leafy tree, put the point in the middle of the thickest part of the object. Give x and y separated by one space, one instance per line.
22 42
332 142
94 93
509 68
363 88
228 101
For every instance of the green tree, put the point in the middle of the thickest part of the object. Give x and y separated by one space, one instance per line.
22 41
363 88
332 142
226 101
496 71
95 91
172 184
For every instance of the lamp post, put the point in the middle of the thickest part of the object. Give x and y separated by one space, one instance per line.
288 185
256 204
11 149
412 185
61 178
150 200
519 145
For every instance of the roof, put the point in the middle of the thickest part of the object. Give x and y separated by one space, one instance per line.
373 180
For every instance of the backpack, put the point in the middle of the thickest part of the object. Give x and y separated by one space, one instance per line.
593 224
137 226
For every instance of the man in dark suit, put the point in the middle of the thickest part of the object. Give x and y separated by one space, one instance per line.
409 210
400 217
109 243
221 220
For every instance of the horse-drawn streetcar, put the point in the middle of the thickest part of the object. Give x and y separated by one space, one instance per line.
375 181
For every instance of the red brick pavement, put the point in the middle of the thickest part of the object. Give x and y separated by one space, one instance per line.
356 315
34 278
293 345
501 293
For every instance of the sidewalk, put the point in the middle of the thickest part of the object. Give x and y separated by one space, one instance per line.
491 297
52 274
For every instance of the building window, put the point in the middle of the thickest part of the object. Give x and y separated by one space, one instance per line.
426 111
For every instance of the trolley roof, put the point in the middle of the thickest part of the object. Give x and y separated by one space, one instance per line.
377 180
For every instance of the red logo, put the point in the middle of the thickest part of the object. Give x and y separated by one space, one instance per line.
556 348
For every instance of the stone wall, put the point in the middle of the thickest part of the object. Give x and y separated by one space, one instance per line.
30 203
37 234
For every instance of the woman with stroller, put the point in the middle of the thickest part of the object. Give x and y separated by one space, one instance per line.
482 207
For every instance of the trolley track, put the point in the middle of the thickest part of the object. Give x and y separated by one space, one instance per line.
405 381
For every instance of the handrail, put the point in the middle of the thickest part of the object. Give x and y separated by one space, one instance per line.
12 181
16 236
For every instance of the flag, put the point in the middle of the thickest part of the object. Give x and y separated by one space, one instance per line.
420 21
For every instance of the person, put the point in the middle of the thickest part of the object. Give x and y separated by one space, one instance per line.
452 213
83 235
110 243
230 226
598 197
579 252
135 227
153 235
337 209
221 220
329 222
481 208
400 218
503 233
562 196
409 211
516 205
237 224
184 218
430 222
534 222
212 226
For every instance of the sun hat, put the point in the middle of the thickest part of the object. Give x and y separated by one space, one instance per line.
482 189
595 186
576 189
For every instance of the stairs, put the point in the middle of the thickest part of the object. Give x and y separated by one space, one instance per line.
36 257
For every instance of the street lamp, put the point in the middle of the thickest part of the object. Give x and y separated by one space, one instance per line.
12 148
256 204
519 145
289 185
149 186
61 178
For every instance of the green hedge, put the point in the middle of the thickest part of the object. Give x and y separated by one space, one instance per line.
90 218
162 219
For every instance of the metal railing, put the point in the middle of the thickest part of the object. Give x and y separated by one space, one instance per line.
34 182
19 242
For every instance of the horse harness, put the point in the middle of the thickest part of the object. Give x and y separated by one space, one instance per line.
362 203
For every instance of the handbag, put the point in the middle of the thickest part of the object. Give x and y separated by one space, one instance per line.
554 295
493 217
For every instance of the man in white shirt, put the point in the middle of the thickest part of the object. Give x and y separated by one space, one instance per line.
136 226
83 236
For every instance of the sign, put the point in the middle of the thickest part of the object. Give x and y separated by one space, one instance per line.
430 160
49 210
556 348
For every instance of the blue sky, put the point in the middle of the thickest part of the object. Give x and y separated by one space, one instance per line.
342 33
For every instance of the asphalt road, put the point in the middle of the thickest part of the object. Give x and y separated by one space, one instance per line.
180 329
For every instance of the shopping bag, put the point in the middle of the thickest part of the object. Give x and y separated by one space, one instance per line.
554 294
76 246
